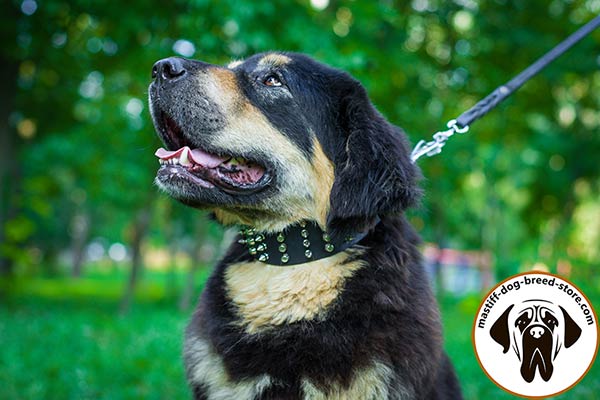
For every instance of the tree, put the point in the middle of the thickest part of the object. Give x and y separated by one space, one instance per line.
85 140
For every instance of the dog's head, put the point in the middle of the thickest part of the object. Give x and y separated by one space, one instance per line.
537 330
276 139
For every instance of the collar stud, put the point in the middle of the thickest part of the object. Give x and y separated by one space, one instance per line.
297 244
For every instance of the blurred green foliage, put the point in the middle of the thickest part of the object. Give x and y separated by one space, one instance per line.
525 179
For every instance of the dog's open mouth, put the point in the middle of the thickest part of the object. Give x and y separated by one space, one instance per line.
232 174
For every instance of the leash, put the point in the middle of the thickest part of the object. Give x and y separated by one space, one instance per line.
462 123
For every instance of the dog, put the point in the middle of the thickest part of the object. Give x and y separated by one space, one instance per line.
537 330
323 294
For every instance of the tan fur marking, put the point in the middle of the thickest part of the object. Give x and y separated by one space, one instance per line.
316 208
274 59
322 169
267 295
368 384
248 130
207 369
228 218
303 184
234 64
221 84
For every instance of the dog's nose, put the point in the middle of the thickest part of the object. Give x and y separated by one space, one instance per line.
168 69
536 332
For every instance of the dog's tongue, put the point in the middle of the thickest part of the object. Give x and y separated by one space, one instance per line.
238 171
196 156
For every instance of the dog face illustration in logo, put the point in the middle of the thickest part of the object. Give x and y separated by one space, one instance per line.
537 330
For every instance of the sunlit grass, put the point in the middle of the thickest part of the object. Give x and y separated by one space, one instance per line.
82 349
63 338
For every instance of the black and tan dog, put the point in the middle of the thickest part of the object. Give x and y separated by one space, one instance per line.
537 330
323 296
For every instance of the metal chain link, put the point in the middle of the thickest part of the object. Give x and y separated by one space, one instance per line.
434 146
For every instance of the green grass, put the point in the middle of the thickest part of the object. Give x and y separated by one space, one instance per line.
81 349
64 339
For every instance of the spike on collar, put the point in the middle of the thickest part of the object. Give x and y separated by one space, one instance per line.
297 244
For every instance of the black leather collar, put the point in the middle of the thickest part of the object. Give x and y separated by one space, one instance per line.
297 244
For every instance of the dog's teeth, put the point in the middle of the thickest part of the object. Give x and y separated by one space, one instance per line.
183 158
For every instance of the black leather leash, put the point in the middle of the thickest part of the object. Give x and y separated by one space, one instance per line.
462 123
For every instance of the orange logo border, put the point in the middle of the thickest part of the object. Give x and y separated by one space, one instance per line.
479 311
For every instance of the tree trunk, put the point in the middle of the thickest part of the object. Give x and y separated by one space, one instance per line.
173 233
80 229
140 228
194 252
9 178
188 291
171 281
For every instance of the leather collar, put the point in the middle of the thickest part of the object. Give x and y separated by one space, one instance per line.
297 244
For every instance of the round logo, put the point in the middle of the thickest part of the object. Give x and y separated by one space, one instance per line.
535 335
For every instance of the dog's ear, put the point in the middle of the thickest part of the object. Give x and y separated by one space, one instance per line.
572 330
374 175
500 332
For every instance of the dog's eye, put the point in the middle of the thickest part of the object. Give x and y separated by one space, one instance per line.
272 80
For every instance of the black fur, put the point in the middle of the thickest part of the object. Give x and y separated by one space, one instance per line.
374 174
288 114
386 311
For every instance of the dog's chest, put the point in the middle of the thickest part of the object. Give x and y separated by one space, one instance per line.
268 302
207 371
266 296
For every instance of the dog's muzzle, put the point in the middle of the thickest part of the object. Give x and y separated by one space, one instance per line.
537 352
